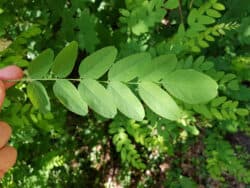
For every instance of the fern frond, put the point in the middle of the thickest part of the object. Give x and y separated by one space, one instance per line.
201 40
124 145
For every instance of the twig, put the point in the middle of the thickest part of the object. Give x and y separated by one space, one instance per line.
191 4
180 12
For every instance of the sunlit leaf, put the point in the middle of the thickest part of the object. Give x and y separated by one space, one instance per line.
97 97
69 96
126 101
159 101
96 64
129 67
41 65
38 96
191 86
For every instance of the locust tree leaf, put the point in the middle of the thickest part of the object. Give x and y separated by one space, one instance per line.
96 64
129 67
126 101
159 101
191 86
38 96
65 60
41 65
97 97
69 96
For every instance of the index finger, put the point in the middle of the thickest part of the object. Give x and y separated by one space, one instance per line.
11 72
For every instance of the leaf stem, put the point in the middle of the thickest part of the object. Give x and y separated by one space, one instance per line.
56 79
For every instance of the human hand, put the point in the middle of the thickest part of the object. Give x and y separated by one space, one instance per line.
8 154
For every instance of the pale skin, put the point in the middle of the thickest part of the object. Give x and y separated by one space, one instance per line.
8 154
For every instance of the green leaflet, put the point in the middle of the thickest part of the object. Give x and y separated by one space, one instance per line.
191 86
218 6
213 13
96 64
65 60
192 129
97 97
68 95
172 4
218 101
159 101
38 96
126 101
215 112
242 112
159 68
202 109
40 66
206 20
192 16
129 67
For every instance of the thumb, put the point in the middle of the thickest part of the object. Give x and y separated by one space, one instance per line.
8 156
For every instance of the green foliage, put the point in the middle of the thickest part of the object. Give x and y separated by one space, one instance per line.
221 159
142 134
198 19
141 15
221 109
123 144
